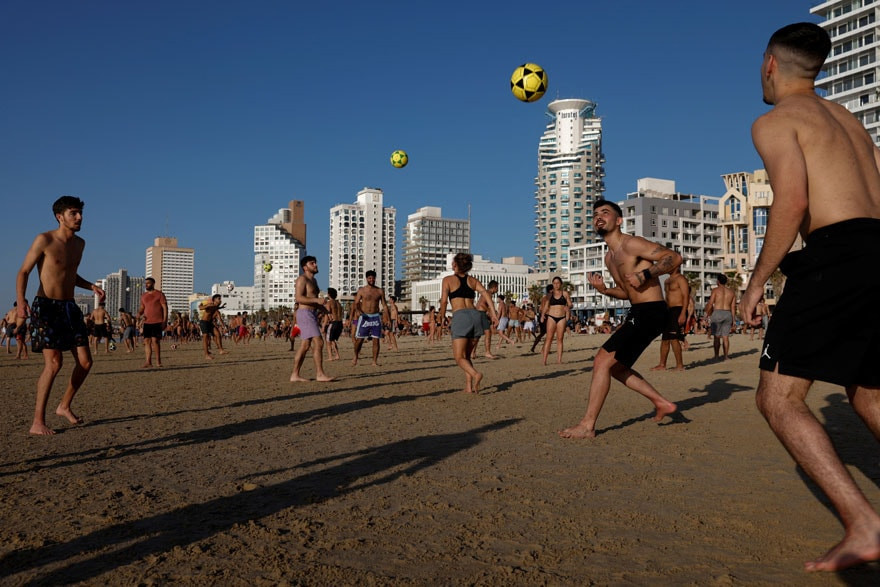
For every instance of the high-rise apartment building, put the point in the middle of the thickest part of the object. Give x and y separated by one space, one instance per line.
173 268
122 291
362 239
279 244
428 239
570 172
849 76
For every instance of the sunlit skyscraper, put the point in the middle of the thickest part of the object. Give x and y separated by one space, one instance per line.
278 247
173 268
570 179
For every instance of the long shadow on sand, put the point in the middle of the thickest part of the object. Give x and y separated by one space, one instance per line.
721 362
226 431
102 551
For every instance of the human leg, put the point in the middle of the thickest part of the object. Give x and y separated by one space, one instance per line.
318 357
781 400
676 352
633 380
461 349
376 352
560 336
52 361
548 338
205 347
298 359
148 352
83 358
664 354
600 384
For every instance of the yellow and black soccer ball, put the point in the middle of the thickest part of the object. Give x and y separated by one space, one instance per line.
399 158
267 267
528 82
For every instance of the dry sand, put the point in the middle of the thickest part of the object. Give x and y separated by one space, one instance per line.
225 473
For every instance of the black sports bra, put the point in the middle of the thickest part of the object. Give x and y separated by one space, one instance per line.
558 301
464 290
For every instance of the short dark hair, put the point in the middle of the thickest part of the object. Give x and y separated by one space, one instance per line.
122 309
807 42
392 298
216 296
306 260
370 273
492 283
331 291
722 279
612 205
67 203
464 261
149 279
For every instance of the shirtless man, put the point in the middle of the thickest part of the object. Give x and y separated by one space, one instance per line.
678 294
126 322
9 325
483 305
334 312
369 324
503 312
56 320
207 313
721 312
635 264
825 173
154 311
102 327
395 315
760 312
306 292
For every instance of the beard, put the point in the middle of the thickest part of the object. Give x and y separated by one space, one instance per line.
602 231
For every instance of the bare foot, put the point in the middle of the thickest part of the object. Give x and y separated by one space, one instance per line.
325 378
146 366
658 368
41 430
159 365
665 410
223 352
354 362
857 547
209 357
476 382
294 378
579 431
68 413
679 368
490 356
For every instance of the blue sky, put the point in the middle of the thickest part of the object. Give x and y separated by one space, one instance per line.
200 119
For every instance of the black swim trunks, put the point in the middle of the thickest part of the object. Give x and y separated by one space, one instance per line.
672 330
57 325
207 327
153 330
335 330
101 331
807 337
643 324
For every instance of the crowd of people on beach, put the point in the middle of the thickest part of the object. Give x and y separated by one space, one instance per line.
825 173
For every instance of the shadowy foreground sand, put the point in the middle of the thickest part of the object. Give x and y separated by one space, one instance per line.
225 473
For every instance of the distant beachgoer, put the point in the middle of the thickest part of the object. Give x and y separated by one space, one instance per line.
154 313
306 295
555 311
721 311
678 293
369 325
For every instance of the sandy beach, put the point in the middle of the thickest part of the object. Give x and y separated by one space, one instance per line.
224 473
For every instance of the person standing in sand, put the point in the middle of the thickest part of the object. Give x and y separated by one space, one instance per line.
208 311
555 312
56 321
334 313
467 322
482 305
309 305
634 263
369 323
678 295
154 310
721 312
825 173
126 322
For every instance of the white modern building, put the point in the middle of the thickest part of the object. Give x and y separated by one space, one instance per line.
278 247
173 268
849 76
570 172
688 224
362 239
238 299
428 239
511 274
122 291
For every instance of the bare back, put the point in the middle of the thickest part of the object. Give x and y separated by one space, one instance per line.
838 159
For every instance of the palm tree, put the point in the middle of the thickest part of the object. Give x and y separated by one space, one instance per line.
734 280
777 283
536 292
694 281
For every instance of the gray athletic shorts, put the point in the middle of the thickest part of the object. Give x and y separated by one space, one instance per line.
466 323
721 322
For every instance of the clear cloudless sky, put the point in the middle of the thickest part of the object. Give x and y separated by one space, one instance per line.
200 119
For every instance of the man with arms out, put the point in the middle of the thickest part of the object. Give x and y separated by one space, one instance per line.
126 322
678 294
635 264
334 311
154 310
823 168
207 313
369 324
721 312
309 305
56 321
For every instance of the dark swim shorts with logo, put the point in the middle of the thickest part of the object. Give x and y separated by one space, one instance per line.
643 324
57 325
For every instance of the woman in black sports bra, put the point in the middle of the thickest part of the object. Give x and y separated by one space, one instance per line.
467 322
556 311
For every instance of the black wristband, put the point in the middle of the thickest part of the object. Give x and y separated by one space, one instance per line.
646 273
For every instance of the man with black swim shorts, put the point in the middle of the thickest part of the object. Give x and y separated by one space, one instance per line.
678 293
56 321
824 169
154 310
634 264
334 312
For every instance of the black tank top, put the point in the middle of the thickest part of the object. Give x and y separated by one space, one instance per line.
464 290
